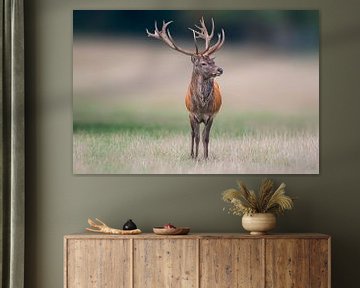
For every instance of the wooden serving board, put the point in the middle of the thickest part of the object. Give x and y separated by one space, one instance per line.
171 231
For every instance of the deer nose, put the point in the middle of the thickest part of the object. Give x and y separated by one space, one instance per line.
220 70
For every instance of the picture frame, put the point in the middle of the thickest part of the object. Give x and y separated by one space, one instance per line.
132 100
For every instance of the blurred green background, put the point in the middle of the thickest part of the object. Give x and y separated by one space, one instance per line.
285 29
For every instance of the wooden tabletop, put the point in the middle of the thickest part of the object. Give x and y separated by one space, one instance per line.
89 235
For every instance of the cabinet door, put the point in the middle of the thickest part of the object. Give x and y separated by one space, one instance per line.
287 263
231 263
320 263
165 263
98 263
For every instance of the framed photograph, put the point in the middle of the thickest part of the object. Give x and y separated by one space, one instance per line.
195 92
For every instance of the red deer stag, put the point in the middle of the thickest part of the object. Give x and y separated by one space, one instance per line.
203 98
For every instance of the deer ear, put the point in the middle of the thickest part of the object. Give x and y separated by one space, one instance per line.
194 59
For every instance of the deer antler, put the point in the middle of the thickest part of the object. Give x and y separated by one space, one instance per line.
101 227
201 33
164 34
217 45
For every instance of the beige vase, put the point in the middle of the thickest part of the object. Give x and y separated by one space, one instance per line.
259 223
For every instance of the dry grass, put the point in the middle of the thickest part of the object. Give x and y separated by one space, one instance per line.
127 153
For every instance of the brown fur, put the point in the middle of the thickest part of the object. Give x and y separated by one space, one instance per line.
216 102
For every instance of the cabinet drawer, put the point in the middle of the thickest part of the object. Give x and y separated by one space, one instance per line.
165 263
98 263
297 263
231 263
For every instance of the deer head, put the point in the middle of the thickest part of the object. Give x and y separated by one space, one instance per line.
203 64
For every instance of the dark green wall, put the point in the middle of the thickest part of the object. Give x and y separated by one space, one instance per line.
58 203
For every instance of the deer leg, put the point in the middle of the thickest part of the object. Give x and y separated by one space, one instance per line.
192 135
206 137
195 126
197 138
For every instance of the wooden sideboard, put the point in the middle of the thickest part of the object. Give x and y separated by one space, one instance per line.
197 260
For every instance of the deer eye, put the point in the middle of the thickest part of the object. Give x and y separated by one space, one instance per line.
203 64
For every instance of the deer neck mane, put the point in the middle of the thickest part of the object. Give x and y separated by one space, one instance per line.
202 87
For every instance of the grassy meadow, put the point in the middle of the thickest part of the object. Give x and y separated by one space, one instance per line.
129 115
